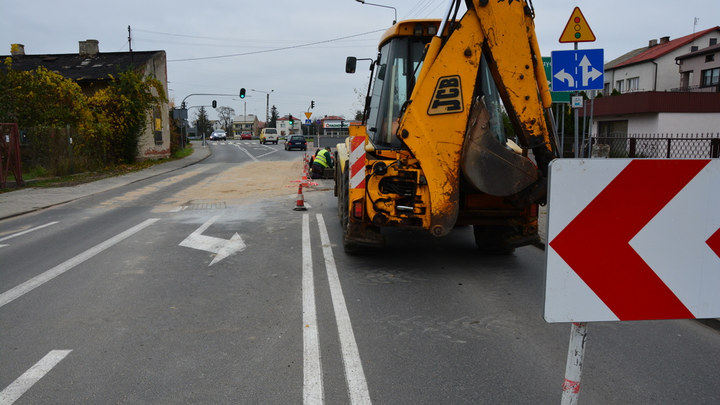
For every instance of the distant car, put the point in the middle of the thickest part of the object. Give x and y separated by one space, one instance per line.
295 142
269 135
218 136
246 135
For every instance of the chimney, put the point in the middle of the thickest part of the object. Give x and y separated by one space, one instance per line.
664 40
652 43
89 48
17 50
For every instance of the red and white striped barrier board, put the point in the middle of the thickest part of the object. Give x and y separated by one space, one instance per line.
357 162
633 239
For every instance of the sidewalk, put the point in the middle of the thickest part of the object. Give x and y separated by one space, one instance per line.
32 199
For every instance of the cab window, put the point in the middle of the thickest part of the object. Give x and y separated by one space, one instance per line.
400 61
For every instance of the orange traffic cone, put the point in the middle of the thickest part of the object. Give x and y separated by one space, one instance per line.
300 204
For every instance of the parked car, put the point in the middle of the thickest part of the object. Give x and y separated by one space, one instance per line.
218 136
295 141
269 135
245 135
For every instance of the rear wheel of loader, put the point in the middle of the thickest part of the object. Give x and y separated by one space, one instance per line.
488 238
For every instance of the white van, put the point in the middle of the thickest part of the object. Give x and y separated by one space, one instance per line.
269 135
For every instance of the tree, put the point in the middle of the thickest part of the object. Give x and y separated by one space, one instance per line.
225 116
358 115
41 98
121 110
273 117
202 122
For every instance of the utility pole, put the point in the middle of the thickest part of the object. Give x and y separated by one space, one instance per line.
267 107
130 44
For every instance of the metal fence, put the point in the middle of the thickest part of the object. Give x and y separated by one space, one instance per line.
663 146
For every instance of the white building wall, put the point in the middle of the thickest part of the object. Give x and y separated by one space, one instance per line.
667 124
689 123
148 148
668 71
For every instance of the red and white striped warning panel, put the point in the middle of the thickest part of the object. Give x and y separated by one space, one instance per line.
633 239
357 162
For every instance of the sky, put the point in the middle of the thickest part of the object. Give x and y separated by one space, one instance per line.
296 50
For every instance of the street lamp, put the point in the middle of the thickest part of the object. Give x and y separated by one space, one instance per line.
267 107
379 5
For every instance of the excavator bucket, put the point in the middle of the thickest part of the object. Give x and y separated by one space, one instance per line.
487 164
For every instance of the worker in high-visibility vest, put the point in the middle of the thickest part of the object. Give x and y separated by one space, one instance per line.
322 160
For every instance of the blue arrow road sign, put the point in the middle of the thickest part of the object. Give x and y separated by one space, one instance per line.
577 70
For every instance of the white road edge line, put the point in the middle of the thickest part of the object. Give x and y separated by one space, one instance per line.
23 383
354 375
313 393
28 231
48 275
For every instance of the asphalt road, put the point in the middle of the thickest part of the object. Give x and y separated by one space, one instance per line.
206 286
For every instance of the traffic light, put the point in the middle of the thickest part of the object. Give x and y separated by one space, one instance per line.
214 104
291 120
242 93
312 104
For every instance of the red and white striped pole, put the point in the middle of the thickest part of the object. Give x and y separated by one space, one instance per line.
574 365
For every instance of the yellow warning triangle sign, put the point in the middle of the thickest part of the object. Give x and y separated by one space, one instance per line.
308 115
577 29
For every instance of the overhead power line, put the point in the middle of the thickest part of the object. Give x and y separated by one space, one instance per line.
275 49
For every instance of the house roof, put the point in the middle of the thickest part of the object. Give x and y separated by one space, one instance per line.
651 53
699 52
656 102
82 68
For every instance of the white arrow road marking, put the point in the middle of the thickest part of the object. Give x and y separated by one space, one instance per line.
588 72
26 231
221 247
247 153
563 76
18 387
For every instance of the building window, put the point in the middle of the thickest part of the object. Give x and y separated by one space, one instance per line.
612 129
711 77
710 58
619 86
633 84
686 79
606 89
157 125
713 41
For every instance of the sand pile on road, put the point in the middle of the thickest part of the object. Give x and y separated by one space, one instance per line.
243 184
